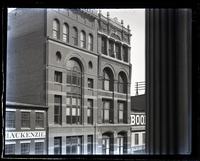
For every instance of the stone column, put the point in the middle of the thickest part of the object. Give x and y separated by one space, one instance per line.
168 81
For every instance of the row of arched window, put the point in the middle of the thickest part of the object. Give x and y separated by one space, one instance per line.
108 81
74 35
108 77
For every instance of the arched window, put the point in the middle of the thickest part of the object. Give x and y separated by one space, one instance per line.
56 29
121 143
108 79
107 143
122 83
74 90
65 32
75 36
58 56
83 39
90 42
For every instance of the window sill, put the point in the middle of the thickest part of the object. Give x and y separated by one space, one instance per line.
39 128
25 128
10 128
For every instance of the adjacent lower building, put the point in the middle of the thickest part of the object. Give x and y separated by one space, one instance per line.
25 129
138 123
77 63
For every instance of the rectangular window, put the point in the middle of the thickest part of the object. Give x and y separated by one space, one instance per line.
125 54
65 33
90 112
39 120
103 45
118 51
90 43
74 145
25 148
10 119
73 110
25 119
10 149
39 147
68 77
58 77
143 138
57 109
90 144
57 145
107 112
121 112
136 139
90 83
111 49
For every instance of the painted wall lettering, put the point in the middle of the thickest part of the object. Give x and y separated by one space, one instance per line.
25 135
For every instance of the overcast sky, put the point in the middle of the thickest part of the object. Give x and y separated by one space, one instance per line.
135 18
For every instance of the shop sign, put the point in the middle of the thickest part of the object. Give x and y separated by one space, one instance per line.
25 135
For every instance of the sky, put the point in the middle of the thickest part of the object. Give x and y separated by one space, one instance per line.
135 18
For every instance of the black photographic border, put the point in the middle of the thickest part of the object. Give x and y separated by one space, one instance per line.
116 4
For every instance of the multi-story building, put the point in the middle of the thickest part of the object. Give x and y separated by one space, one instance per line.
77 63
26 129
138 123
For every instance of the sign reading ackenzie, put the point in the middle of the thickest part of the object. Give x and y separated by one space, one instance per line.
25 135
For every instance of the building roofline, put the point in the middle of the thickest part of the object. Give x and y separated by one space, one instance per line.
8 103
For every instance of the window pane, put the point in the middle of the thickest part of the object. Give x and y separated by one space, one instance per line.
57 145
107 105
25 119
25 148
74 149
10 149
106 114
121 115
78 111
90 83
143 138
73 111
136 139
57 99
74 80
68 149
106 84
73 101
58 77
68 101
90 42
79 101
56 29
39 119
10 119
88 112
68 111
68 77
39 147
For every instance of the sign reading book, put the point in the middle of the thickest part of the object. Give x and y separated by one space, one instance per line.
25 135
